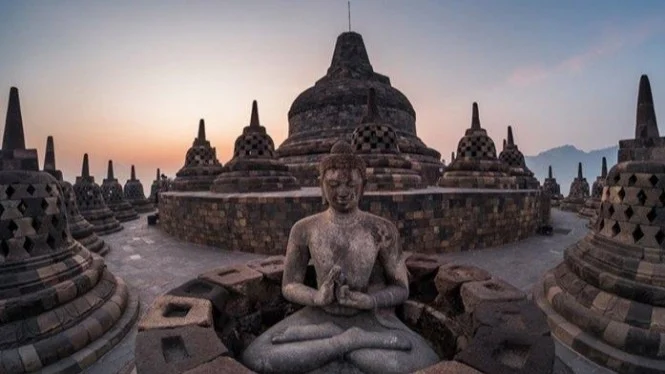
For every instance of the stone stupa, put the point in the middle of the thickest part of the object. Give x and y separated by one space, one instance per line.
376 143
552 188
91 202
201 165
513 157
592 204
79 227
606 300
61 308
476 164
332 109
115 199
578 193
154 188
254 166
133 192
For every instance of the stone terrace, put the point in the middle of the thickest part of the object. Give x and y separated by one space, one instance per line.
153 263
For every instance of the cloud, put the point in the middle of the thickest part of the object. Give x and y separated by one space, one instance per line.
612 41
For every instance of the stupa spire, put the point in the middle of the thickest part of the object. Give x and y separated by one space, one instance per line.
504 144
133 175
109 171
85 170
549 172
49 157
372 113
475 117
511 141
452 156
603 172
645 124
202 131
13 137
350 53
158 174
579 170
254 120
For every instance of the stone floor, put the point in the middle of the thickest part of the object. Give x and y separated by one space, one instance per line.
152 263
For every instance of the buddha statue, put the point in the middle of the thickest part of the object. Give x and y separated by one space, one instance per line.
348 323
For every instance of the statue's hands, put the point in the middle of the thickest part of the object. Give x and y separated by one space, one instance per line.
326 292
353 299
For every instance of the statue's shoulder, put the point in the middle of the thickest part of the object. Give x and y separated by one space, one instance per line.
379 224
308 223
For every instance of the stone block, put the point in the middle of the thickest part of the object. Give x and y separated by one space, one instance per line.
522 316
439 330
173 351
492 290
451 276
238 278
499 351
449 367
272 268
202 289
170 311
421 265
223 364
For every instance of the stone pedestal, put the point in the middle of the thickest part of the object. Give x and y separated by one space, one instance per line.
91 203
201 165
114 198
133 193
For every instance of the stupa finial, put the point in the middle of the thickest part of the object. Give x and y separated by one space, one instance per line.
85 170
504 144
579 170
202 131
475 117
348 3
511 141
549 172
109 171
254 120
49 157
452 156
14 137
133 175
603 172
645 124
372 114
158 173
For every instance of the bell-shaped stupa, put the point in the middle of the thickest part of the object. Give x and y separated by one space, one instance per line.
552 188
79 227
91 202
332 109
375 142
254 166
606 300
154 188
133 192
201 165
60 307
476 164
115 198
578 193
513 157
592 204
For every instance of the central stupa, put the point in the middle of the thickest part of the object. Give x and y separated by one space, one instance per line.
333 107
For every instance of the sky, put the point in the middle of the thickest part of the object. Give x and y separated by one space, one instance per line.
129 80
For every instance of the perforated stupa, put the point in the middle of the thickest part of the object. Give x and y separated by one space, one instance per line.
115 198
154 187
513 157
91 202
60 307
201 165
133 192
254 166
592 204
578 193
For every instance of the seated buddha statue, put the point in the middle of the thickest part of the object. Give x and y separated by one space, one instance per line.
348 323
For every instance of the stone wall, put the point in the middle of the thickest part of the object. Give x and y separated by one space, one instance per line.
430 220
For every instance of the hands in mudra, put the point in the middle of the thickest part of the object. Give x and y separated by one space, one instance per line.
334 288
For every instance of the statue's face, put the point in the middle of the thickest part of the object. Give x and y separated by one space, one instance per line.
342 189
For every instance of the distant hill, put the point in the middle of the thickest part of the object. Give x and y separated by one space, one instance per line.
564 161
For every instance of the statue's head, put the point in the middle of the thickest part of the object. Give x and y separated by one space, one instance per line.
342 177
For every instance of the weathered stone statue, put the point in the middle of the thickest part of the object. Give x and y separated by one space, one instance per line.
348 324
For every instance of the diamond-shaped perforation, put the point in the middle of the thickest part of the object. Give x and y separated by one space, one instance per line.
632 179
653 179
660 237
48 189
28 244
44 204
611 210
31 189
22 207
12 226
652 214
637 234
10 191
601 224
50 240
55 221
628 212
617 178
642 197
621 193
616 229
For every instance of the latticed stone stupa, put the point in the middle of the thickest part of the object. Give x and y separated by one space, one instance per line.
79 227
592 204
578 193
91 202
511 156
376 143
115 198
552 188
254 167
154 187
201 165
133 192
60 307
476 164
332 109
607 298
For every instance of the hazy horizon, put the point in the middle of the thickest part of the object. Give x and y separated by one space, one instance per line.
129 81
